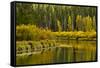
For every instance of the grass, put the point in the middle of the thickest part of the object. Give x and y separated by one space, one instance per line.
76 35
33 33
29 45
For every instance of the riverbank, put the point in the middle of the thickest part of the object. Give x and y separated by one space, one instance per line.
34 33
85 36
35 47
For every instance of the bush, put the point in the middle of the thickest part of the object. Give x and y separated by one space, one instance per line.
31 32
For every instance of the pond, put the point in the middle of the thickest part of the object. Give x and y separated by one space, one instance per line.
68 51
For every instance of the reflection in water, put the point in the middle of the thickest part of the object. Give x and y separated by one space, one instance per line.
69 51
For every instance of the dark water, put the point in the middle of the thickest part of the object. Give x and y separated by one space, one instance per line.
72 51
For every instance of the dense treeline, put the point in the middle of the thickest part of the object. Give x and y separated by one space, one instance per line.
57 17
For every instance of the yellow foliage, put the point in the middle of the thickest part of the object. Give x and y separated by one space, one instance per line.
31 32
59 26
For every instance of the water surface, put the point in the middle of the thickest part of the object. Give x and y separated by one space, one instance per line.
69 51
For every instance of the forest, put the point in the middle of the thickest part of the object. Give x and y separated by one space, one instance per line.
45 21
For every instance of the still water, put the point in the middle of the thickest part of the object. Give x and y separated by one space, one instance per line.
69 51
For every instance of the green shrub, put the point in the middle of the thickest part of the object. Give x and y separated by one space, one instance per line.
31 32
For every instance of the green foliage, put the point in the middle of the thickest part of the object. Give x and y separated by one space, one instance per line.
94 23
69 23
46 16
24 13
89 23
24 32
42 21
85 23
31 32
79 23
59 26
